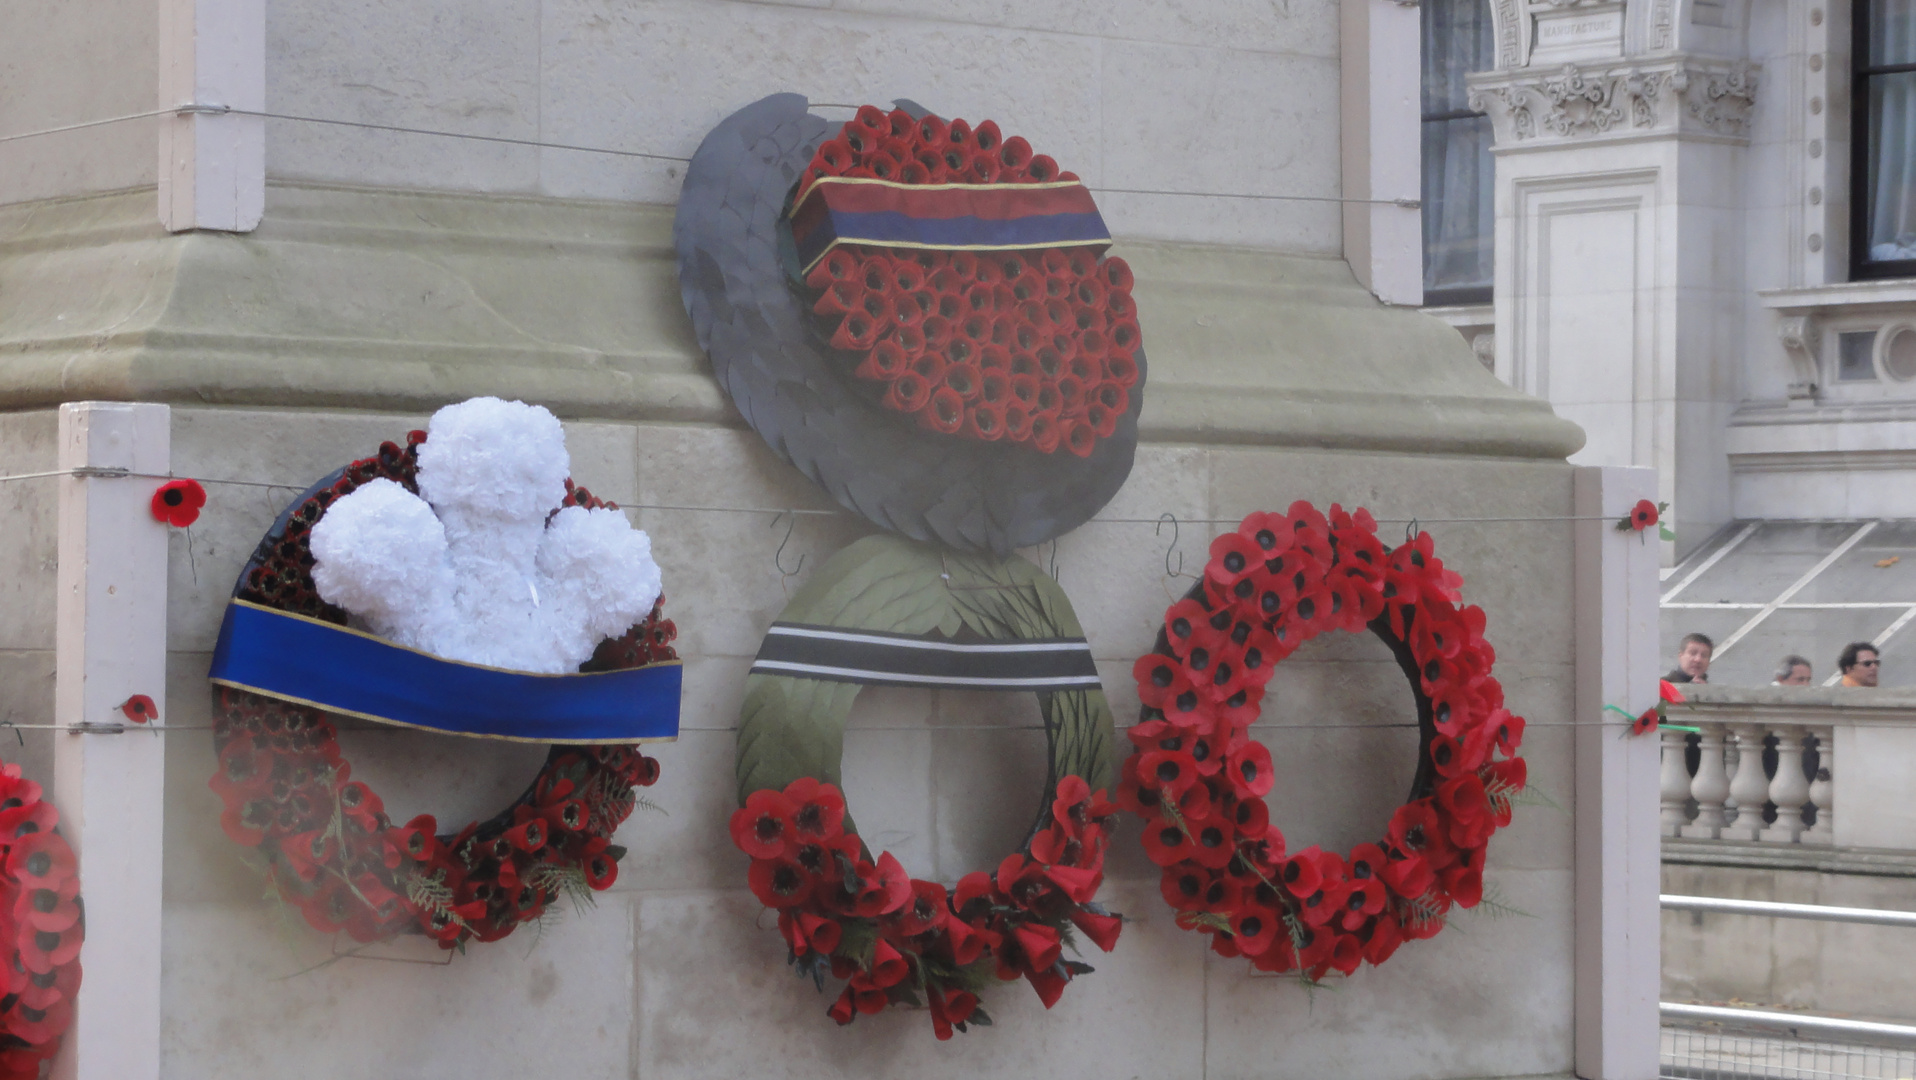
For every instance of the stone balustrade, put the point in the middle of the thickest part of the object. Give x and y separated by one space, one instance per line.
1763 766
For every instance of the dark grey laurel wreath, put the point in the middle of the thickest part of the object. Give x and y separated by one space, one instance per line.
737 275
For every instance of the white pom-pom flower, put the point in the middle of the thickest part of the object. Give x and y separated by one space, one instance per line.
474 570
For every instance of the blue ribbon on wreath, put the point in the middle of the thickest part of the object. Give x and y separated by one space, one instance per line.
340 670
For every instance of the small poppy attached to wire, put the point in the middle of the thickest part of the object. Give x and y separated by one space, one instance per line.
178 502
1651 719
1643 515
139 708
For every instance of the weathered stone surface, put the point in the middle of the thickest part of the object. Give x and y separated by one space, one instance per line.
395 300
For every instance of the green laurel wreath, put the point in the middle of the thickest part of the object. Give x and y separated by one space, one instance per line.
791 727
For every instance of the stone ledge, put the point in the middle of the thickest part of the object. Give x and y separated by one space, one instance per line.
373 298
1870 862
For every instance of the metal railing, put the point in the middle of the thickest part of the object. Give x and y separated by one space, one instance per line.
1711 1042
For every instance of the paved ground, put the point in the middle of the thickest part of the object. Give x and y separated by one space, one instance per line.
1699 1054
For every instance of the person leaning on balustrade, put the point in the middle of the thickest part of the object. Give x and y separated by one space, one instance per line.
1693 660
1860 663
1792 670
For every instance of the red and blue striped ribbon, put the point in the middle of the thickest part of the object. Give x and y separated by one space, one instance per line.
949 217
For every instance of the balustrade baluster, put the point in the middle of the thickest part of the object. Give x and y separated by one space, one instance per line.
1710 787
1748 787
1789 788
1823 791
1674 782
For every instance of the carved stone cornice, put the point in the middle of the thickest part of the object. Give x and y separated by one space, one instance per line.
1681 95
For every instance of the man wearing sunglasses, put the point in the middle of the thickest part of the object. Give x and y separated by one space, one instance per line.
1860 664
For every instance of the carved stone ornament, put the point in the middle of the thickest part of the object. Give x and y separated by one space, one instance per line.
1802 337
1680 96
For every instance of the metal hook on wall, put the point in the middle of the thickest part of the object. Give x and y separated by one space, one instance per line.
1158 530
1411 530
778 557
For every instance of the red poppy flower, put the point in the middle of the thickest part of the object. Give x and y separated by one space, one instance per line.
1252 820
1255 928
178 502
1642 515
1167 771
928 909
1414 828
48 908
43 950
40 991
762 826
1183 886
1102 929
888 891
139 708
967 943
1346 954
845 1009
1301 874
1322 906
1314 947
1049 983
1667 691
888 966
1361 900
779 882
1380 936
948 1010
1249 770
1078 883
819 933
1463 801
1070 808
819 809
1508 730
1165 843
1508 776
1464 882
1651 719
1213 842
1233 556
1185 619
1410 876
38 1026
1040 945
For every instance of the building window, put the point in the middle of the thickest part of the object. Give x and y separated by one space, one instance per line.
1883 146
1855 361
1457 189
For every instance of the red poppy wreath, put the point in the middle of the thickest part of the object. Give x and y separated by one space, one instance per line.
1199 780
324 839
1035 342
973 621
41 927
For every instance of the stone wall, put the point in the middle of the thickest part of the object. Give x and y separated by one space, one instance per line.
1252 106
1273 378
1842 968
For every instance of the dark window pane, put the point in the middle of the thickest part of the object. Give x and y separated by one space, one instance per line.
1892 32
1891 168
1457 198
1457 189
1853 363
1457 41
